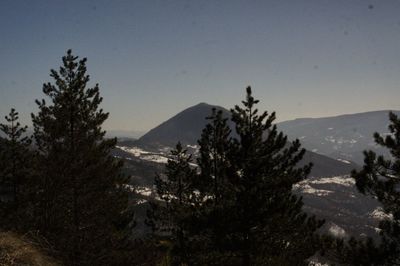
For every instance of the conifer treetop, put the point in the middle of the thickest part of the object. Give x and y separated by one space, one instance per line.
13 129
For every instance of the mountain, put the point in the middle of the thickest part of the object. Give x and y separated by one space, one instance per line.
329 192
187 125
341 137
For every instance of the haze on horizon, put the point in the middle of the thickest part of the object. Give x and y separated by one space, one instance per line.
153 59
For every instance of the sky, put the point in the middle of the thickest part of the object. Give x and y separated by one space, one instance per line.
152 59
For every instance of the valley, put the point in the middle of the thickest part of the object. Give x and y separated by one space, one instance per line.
329 192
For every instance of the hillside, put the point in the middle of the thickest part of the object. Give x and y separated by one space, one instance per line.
329 192
16 250
340 137
187 125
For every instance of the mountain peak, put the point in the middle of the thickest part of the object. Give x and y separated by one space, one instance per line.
205 106
185 127
202 104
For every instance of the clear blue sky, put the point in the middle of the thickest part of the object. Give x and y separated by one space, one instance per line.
154 58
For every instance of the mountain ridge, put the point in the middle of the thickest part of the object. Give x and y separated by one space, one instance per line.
340 115
187 125
340 137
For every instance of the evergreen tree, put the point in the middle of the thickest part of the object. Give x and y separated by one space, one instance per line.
82 199
214 161
239 208
15 160
341 251
380 177
269 227
170 214
216 192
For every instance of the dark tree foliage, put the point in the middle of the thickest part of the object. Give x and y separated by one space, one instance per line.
82 200
243 211
214 161
213 246
15 167
171 214
269 227
380 177
339 251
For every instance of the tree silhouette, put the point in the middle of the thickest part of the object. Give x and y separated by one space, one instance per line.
172 212
83 200
239 208
380 177
16 162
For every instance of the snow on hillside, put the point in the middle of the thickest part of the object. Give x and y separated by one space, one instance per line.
337 231
307 186
343 161
379 214
336 199
307 189
159 157
135 151
333 198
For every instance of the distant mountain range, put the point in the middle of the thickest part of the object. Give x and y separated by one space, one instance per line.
340 137
329 192
187 126
124 134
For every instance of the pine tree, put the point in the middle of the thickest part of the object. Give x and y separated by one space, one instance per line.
170 215
213 161
82 197
239 208
15 159
216 191
353 251
269 227
380 177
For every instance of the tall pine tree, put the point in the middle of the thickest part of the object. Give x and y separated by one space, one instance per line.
16 162
268 226
243 211
82 198
380 177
